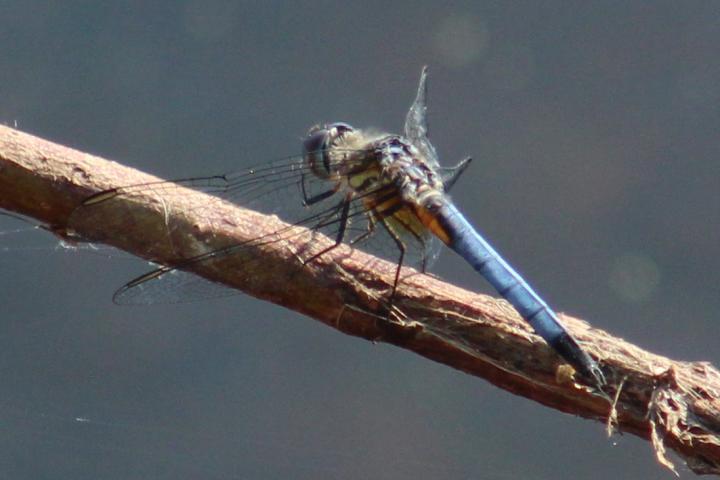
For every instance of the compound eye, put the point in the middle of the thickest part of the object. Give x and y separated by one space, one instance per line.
340 128
316 140
317 143
315 150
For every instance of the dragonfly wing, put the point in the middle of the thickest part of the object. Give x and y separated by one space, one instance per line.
170 286
285 188
416 126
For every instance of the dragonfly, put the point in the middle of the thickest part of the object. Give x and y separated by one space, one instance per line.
376 191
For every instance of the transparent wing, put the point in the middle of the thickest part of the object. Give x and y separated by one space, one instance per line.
288 188
416 126
19 234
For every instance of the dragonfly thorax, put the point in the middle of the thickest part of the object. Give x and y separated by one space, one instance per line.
360 161
403 165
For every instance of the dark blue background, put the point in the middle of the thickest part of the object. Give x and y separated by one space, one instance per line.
594 126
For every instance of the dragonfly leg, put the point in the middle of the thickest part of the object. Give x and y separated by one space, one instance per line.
370 230
424 261
311 200
401 246
344 214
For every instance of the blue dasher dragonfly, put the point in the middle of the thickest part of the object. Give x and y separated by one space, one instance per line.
376 191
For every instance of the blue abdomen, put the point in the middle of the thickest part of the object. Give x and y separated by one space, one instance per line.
470 245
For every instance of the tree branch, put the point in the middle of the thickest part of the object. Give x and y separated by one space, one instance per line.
672 404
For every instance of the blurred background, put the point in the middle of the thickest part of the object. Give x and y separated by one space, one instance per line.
594 128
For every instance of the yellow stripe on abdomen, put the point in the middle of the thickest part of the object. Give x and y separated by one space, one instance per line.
431 223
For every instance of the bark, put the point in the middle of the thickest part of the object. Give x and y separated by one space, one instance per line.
673 404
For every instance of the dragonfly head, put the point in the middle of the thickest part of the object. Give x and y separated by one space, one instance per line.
317 143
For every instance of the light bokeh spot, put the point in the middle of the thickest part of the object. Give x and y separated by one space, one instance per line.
460 40
634 277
